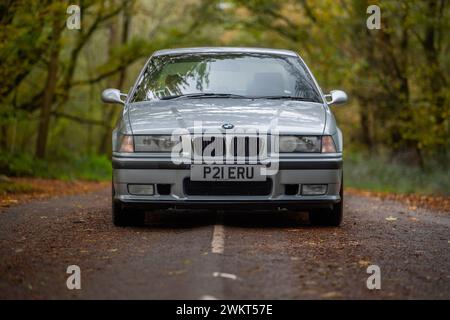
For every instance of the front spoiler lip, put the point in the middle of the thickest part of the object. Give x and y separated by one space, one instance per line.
284 164
221 205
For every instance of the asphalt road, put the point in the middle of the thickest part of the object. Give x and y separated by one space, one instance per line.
206 255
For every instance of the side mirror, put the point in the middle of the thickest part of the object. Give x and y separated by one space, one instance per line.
113 96
336 97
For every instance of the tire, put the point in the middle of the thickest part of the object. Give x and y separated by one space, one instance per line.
125 217
330 217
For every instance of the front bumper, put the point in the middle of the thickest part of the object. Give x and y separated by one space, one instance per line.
311 169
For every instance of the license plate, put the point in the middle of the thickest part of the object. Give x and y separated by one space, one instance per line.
226 173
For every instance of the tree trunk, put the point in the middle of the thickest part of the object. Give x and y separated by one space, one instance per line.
3 137
49 92
111 115
364 120
437 81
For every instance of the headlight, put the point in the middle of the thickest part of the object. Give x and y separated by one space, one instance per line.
123 143
154 143
299 144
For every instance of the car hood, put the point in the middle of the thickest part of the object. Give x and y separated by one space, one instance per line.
162 117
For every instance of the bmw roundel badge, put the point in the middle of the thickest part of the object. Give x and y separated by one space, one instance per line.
227 126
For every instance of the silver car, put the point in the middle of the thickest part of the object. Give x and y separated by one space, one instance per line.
226 128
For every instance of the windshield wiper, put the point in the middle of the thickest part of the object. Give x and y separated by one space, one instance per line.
283 98
205 95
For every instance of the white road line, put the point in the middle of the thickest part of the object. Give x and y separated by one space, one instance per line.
208 297
225 275
218 239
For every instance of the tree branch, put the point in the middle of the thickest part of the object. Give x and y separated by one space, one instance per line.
79 119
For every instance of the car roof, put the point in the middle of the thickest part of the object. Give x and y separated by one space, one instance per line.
224 50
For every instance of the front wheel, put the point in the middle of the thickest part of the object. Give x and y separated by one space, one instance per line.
329 217
124 217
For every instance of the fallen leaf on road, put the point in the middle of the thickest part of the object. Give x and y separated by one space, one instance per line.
418 253
112 250
363 262
413 219
391 218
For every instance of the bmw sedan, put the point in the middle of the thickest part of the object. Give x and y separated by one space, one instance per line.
226 128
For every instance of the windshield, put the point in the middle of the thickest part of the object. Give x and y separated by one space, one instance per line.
242 75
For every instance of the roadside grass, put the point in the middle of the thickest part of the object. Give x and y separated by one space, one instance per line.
92 168
375 173
9 187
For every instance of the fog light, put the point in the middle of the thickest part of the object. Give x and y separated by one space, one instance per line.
314 189
141 189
